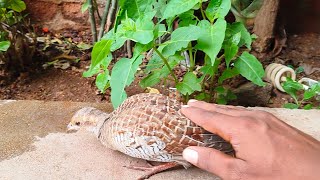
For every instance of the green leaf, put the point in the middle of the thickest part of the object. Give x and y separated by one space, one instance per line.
291 87
291 106
218 9
160 6
154 63
224 95
5 3
101 55
299 70
227 74
208 70
220 90
159 30
100 52
221 100
172 61
203 96
135 8
123 75
159 70
308 107
187 18
221 97
245 35
180 39
140 49
85 6
96 69
231 48
212 37
102 81
313 91
189 84
230 95
250 68
4 45
117 38
140 31
176 7
17 5
151 80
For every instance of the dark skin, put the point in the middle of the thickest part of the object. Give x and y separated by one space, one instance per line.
266 148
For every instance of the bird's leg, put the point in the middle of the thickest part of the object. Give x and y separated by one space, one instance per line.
152 170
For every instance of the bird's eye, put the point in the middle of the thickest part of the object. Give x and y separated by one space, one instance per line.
78 123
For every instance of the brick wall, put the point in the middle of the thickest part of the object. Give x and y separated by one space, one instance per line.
58 14
299 15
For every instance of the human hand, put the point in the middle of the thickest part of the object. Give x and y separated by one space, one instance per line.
265 147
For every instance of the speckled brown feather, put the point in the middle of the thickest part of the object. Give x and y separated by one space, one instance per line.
150 126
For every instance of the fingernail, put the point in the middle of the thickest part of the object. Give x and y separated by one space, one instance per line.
190 155
185 106
192 100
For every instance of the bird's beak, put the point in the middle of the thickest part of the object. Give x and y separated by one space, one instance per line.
72 128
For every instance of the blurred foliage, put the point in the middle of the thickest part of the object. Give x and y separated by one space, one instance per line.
302 98
17 40
245 10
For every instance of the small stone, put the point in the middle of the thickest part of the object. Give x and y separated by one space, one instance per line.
252 95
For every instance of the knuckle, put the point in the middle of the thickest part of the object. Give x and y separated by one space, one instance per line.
236 171
248 123
262 126
264 114
255 124
230 166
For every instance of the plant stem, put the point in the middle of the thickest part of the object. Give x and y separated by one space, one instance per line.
192 60
218 60
104 19
129 49
202 12
167 64
92 22
110 15
95 7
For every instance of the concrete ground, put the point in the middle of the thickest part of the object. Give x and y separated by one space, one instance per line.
34 144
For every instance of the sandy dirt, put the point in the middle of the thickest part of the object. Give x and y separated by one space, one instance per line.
80 156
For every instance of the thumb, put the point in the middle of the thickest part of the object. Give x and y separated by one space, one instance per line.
211 160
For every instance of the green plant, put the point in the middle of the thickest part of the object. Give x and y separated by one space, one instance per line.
7 15
17 42
293 88
150 24
299 70
245 10
106 19
4 45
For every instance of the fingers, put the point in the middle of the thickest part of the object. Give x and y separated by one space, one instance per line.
225 109
215 122
212 160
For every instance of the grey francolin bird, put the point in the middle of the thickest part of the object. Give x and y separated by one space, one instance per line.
150 127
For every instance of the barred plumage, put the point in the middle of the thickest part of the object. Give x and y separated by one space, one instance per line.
151 127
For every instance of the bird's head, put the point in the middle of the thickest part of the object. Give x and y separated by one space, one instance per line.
83 119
